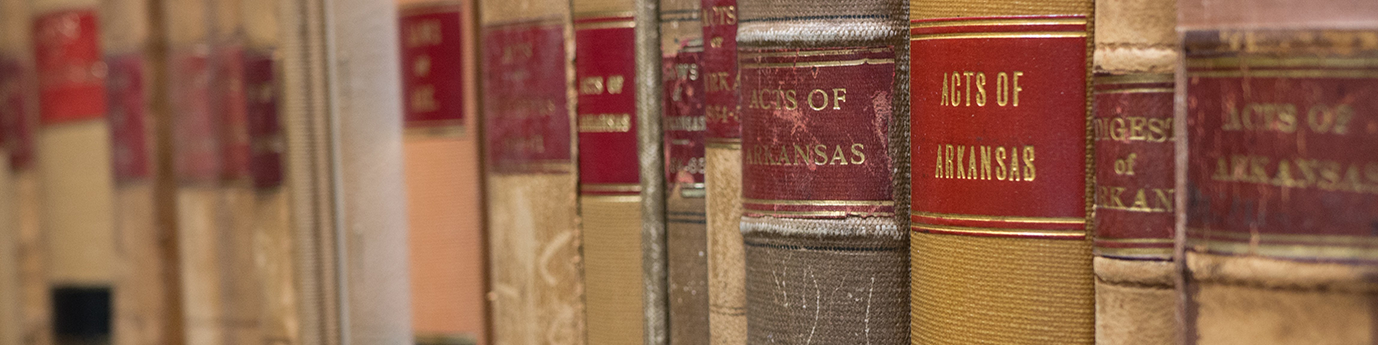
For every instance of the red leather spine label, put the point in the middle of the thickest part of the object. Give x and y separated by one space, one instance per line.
433 65
526 121
684 119
15 119
1134 166
999 129
1283 143
721 81
128 118
814 132
231 111
605 77
261 114
71 75
195 131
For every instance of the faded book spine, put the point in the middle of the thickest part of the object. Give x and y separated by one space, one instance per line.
1000 182
723 173
73 158
531 187
31 314
686 237
609 174
442 170
1280 179
1135 55
818 83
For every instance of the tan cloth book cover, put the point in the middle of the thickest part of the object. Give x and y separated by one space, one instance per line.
23 313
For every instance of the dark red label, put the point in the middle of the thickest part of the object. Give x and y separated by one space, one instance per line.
128 118
1283 143
1132 128
15 120
999 126
71 76
815 126
265 132
605 76
684 121
721 81
526 120
231 112
195 131
433 65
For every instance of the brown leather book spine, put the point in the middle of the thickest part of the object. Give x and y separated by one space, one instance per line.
530 177
1135 55
686 236
1002 166
72 157
442 171
825 261
723 174
1277 172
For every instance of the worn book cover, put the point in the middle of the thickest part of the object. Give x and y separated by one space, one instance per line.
24 316
686 236
824 258
530 176
723 172
445 242
1002 171
1135 55
72 158
1277 171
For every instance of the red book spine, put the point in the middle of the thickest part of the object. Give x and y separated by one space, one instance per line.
604 78
1132 127
526 123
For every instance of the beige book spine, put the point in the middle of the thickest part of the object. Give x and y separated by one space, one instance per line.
20 310
726 264
37 304
10 288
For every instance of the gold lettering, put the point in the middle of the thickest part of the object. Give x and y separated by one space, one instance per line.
858 155
1029 172
980 89
985 163
961 173
1000 160
1002 91
605 123
1016 88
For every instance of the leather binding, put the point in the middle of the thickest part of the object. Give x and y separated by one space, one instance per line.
1135 55
621 172
824 259
72 158
686 236
723 173
1002 166
1278 207
27 320
146 306
229 103
442 171
536 290
342 124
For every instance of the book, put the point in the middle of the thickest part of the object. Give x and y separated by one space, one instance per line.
723 173
18 118
341 117
445 241
1135 55
683 121
621 169
825 260
72 151
1002 172
530 179
146 309
14 103
1274 160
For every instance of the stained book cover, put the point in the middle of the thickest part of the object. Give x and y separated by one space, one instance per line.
1134 138
818 106
72 155
445 243
686 236
530 176
1001 172
723 172
1278 179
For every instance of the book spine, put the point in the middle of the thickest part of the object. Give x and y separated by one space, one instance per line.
818 81
1278 174
529 132
17 121
1001 176
1135 55
442 171
73 158
620 188
723 174
686 236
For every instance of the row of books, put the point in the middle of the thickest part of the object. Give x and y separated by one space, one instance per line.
688 172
